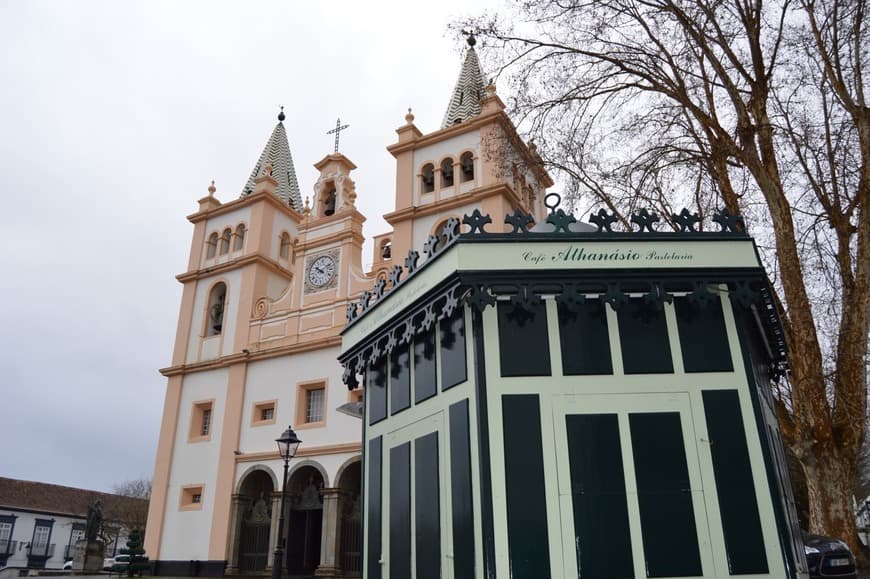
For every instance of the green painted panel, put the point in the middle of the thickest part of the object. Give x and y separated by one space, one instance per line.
424 366
374 498
703 339
667 518
584 339
741 522
452 350
601 529
528 539
400 379
427 521
376 393
643 337
462 504
400 511
524 346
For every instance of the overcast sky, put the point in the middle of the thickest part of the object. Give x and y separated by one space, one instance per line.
114 117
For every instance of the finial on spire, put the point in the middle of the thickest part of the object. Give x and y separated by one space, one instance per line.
211 189
281 116
307 209
410 116
471 40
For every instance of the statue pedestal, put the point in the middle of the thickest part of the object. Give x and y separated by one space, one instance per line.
88 557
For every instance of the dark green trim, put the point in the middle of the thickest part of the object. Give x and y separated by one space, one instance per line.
400 511
427 507
461 491
373 545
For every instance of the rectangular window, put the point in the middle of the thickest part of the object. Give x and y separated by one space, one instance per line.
264 413
427 520
201 421
5 536
205 422
400 379
311 404
524 349
314 406
191 497
374 499
376 395
643 336
41 533
424 366
703 338
584 339
400 511
451 354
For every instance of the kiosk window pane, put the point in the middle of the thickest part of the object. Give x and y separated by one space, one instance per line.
643 336
376 397
667 518
400 379
424 366
528 541
703 339
584 339
374 498
427 506
460 483
524 348
452 354
400 511
741 523
602 535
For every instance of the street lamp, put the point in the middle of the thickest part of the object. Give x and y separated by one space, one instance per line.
288 442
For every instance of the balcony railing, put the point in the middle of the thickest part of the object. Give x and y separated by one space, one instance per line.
8 547
46 551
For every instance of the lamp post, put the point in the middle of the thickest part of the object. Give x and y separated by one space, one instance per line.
288 442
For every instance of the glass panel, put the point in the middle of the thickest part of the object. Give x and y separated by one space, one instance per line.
376 397
667 517
524 348
373 496
584 339
314 406
703 339
400 511
741 523
643 337
400 379
424 366
452 351
528 541
427 507
460 484
601 529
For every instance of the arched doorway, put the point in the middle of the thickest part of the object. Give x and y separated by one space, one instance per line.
305 520
255 497
350 545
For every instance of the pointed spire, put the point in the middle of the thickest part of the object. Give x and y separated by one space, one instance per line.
277 159
465 102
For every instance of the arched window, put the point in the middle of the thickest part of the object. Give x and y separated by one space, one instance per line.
428 178
240 237
447 172
211 245
284 250
225 240
329 203
386 249
466 163
442 236
217 301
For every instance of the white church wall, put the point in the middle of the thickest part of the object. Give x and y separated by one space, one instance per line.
279 379
194 463
281 224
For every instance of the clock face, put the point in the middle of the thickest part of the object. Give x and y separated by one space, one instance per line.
321 271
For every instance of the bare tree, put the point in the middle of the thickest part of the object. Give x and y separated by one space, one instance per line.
756 106
132 514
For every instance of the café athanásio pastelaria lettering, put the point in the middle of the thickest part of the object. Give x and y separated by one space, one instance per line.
627 255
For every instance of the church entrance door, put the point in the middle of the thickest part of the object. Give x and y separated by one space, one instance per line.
255 524
305 522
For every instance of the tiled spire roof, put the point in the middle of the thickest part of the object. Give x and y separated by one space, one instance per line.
470 88
277 152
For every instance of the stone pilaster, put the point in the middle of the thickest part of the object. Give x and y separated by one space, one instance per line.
330 535
239 503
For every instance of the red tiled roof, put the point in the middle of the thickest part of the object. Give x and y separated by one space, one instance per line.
37 496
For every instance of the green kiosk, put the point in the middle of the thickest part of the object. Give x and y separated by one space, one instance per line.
573 401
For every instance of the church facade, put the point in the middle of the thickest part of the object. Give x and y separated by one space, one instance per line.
268 285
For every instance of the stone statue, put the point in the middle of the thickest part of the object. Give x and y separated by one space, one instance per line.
95 520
